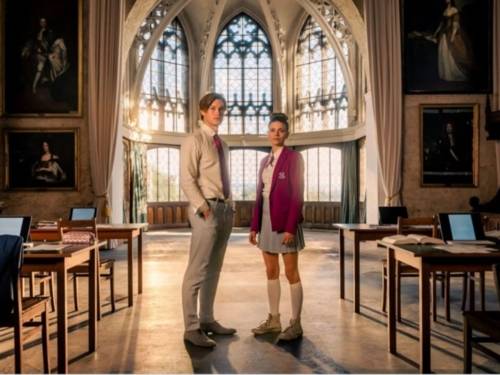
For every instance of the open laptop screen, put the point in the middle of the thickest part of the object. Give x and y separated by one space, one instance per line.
461 226
16 226
82 213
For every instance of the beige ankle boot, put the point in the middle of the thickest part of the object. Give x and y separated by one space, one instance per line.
272 324
292 332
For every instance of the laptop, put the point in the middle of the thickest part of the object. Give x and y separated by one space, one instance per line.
16 226
463 227
389 214
82 213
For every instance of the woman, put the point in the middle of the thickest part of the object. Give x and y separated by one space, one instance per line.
47 169
455 60
277 216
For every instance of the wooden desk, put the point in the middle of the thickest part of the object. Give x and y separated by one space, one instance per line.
110 232
358 233
427 260
60 262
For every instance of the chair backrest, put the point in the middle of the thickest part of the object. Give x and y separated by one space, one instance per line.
77 227
390 214
496 276
82 213
11 259
405 224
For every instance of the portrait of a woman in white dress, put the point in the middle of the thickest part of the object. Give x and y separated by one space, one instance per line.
446 48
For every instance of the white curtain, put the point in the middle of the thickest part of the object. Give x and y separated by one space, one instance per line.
106 20
384 50
495 98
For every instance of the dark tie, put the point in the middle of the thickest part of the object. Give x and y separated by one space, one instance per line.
271 160
223 166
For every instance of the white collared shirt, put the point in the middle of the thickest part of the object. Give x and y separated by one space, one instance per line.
200 170
267 173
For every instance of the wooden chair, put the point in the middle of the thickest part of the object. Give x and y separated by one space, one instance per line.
43 280
106 266
404 226
469 280
16 311
486 322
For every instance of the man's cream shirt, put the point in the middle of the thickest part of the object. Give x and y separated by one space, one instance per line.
200 170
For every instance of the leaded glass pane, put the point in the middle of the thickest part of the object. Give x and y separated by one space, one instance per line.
320 83
163 163
166 81
322 174
336 174
236 173
163 175
244 166
242 73
173 175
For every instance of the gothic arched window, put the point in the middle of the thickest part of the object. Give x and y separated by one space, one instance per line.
321 93
322 174
242 73
163 102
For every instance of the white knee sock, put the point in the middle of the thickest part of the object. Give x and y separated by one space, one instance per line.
296 294
273 295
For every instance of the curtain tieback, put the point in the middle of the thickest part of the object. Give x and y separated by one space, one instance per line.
389 199
107 208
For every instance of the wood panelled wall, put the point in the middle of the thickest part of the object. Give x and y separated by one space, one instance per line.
175 214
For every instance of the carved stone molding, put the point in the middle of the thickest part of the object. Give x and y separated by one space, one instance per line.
151 23
335 20
206 31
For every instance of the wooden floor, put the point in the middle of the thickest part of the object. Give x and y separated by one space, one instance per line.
148 337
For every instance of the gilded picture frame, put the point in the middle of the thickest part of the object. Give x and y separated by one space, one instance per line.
449 145
43 58
41 159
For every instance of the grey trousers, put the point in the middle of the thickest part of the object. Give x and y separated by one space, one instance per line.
206 254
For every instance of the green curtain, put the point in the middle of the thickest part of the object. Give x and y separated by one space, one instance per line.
138 207
349 202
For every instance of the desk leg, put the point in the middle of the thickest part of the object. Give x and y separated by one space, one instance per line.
139 261
356 274
93 300
425 321
130 257
342 263
62 320
391 315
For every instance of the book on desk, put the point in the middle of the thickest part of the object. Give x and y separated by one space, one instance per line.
412 239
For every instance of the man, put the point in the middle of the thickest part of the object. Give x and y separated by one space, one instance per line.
205 181
40 48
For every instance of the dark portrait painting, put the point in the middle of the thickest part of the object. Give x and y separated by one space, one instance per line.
449 145
447 46
41 159
43 57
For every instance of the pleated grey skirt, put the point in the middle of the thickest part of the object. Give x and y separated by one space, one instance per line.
270 241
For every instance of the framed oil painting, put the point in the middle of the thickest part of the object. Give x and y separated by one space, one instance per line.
447 46
43 57
450 145
41 159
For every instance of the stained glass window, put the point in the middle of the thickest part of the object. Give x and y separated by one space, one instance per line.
322 175
163 175
243 167
243 74
321 95
164 96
